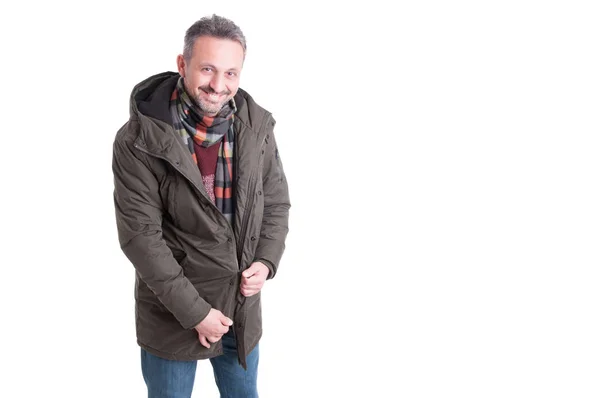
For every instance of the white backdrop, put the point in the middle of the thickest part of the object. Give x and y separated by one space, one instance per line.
443 167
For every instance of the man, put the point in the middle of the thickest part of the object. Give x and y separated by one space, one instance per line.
202 208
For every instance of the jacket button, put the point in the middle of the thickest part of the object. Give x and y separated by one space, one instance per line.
253 238
260 192
228 239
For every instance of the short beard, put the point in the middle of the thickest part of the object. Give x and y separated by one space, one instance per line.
208 107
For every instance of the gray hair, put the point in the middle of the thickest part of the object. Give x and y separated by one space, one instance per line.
214 26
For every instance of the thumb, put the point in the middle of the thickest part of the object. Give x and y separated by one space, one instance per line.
250 271
226 321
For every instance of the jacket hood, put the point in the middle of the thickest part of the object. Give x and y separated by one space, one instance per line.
150 98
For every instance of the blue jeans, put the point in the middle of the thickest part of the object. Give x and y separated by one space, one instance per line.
175 379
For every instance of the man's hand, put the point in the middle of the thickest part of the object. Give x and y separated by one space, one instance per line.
213 327
254 278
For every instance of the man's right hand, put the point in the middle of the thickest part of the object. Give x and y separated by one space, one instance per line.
213 327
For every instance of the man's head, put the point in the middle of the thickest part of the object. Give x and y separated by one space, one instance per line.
212 61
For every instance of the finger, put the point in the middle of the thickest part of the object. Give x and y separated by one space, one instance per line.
247 275
254 280
213 339
226 321
249 292
223 330
204 342
252 290
254 283
254 286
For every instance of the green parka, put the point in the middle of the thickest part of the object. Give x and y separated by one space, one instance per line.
188 258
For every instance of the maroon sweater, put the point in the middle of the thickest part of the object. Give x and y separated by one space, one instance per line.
207 163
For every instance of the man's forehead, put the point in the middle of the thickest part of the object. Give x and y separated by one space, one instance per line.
218 53
218 43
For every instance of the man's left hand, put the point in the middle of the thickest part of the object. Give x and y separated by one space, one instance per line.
254 278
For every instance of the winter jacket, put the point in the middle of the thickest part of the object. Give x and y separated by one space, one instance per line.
188 258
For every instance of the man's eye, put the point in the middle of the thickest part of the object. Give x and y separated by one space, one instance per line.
206 69
231 74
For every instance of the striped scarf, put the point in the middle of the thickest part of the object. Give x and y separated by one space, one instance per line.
192 125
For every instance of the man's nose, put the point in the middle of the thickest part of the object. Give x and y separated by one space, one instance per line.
217 84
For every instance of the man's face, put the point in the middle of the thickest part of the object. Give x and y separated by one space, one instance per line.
212 75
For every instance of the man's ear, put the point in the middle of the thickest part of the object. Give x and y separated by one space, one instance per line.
181 65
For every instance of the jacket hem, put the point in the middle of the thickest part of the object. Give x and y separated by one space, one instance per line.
178 357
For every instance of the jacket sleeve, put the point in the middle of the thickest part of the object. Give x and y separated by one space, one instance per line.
139 213
274 227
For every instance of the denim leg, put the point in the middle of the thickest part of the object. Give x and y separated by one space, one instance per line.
232 380
167 378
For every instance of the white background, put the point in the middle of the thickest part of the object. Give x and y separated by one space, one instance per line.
443 166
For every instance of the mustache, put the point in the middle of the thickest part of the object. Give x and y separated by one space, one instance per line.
209 90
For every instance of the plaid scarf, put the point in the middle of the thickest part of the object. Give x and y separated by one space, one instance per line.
192 125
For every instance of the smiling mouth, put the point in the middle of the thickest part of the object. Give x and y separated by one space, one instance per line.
211 93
